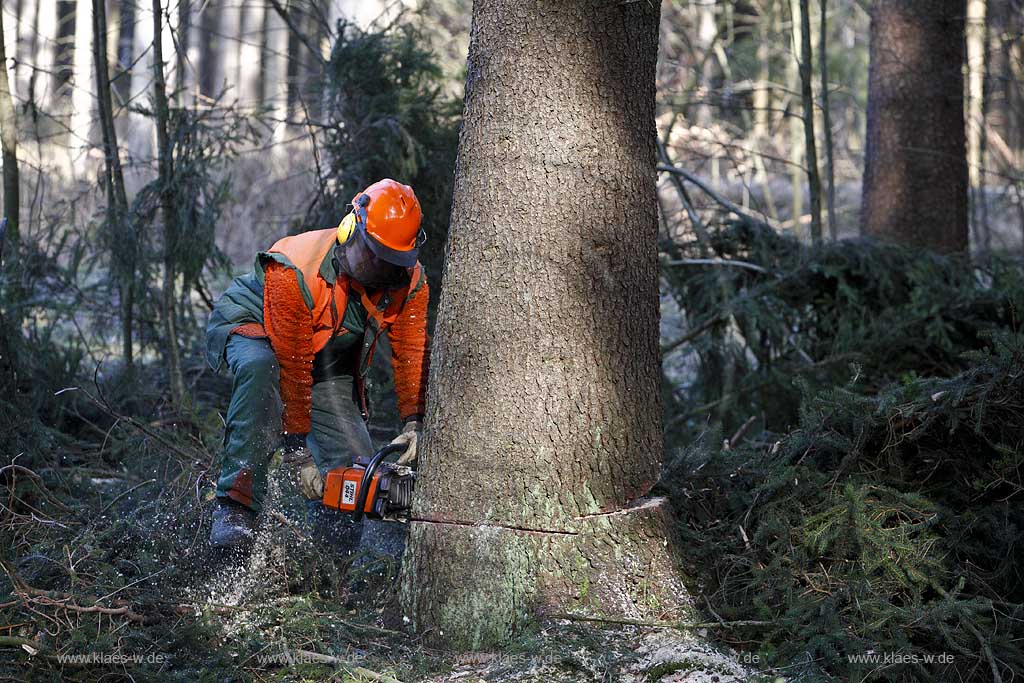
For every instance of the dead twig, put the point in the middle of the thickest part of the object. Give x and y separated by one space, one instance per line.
186 457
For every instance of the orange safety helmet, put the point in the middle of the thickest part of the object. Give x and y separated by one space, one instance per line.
388 215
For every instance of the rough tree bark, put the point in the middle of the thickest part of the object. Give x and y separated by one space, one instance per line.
543 427
915 176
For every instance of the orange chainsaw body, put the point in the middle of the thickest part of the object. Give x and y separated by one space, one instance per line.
341 488
388 487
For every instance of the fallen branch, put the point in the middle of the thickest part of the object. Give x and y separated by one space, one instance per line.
716 262
27 594
681 626
703 238
675 170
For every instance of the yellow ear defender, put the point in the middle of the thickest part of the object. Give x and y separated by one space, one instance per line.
346 228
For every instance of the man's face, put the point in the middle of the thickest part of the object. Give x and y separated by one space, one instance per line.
367 268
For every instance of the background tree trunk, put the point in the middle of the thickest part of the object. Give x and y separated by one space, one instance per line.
123 256
543 426
797 137
826 127
125 50
211 71
9 144
915 176
64 56
182 80
807 103
172 354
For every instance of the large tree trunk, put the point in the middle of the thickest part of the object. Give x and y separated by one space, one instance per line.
543 426
915 176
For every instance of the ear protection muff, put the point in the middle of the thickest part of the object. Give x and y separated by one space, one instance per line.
346 228
356 216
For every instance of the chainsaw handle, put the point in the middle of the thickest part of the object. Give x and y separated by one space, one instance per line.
371 469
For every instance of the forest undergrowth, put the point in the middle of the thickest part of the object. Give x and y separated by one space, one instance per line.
871 506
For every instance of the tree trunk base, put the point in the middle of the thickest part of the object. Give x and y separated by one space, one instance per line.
478 584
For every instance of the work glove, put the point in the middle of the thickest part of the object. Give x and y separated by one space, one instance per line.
296 454
410 435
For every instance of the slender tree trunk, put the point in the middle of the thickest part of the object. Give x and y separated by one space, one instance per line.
64 56
797 140
172 354
826 132
543 440
125 50
25 49
977 48
986 94
181 66
807 99
294 63
915 176
766 99
761 94
1015 89
707 30
9 145
1005 25
84 123
266 55
211 73
117 200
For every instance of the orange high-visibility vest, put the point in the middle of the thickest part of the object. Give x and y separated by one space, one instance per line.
307 252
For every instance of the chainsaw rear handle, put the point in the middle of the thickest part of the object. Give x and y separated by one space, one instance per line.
371 468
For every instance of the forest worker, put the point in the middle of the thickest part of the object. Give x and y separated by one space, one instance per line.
298 334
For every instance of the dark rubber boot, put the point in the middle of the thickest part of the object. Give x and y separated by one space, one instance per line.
234 525
333 531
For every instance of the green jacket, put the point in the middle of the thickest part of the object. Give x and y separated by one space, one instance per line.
242 302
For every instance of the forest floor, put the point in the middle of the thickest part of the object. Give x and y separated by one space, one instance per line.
146 599
881 515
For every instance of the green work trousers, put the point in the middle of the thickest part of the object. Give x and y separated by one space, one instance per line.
253 430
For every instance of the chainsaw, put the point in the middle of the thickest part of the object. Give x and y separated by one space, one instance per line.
378 489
